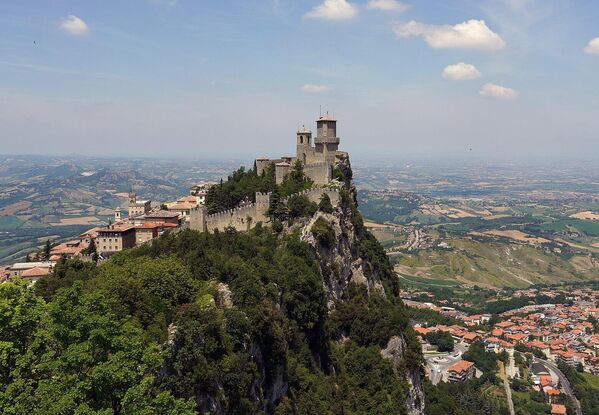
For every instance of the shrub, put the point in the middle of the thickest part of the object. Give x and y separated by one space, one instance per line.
323 232
325 204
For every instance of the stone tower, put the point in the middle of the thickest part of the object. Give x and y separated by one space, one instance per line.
198 218
304 144
326 142
117 214
132 198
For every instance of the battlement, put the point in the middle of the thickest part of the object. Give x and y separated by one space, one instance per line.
244 218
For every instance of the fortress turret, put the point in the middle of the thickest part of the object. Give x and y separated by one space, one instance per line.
326 142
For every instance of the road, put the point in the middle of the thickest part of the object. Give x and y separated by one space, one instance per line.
508 390
438 363
565 383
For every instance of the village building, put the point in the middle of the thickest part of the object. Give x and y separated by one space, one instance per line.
461 371
115 238
138 207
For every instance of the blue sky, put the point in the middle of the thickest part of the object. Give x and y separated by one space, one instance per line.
213 78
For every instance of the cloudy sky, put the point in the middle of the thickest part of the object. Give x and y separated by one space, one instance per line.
213 78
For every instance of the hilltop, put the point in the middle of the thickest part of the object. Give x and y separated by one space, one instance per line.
300 314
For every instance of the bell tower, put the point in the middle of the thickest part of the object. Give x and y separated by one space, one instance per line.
304 144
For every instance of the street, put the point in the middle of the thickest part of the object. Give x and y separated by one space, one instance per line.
565 383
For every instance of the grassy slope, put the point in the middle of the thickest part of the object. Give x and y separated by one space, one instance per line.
495 264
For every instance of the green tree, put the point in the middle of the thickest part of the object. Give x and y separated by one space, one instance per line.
325 204
295 181
47 250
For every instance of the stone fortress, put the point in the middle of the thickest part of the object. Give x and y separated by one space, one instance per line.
317 160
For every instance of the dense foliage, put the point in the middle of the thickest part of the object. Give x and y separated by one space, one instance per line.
586 392
150 332
240 185
472 397
442 339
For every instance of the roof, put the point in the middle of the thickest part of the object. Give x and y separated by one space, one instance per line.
162 214
421 330
116 228
557 409
326 117
181 206
36 272
461 366
29 265
189 199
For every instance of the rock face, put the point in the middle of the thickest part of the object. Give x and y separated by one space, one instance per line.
340 262
395 352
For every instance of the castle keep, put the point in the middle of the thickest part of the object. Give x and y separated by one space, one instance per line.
317 158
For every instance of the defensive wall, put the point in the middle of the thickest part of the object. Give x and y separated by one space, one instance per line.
246 217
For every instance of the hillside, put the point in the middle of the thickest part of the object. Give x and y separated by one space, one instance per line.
298 318
493 264
60 197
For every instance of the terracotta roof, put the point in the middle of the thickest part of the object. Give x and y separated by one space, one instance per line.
116 228
421 330
36 272
558 409
188 199
461 366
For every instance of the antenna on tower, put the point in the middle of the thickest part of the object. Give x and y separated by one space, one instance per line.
320 111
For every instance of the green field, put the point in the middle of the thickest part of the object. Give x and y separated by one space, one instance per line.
494 264
419 281
8 223
591 228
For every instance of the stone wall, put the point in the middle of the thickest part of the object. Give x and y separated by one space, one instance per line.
320 173
246 217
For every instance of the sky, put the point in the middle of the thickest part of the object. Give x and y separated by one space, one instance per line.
513 79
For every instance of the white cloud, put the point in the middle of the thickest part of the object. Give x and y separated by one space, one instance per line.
593 47
74 26
461 72
498 92
387 5
315 89
333 10
473 34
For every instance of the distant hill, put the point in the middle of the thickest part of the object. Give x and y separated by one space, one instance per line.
493 264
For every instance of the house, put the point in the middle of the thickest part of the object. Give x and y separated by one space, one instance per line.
150 230
552 393
565 357
461 371
183 206
30 271
421 331
557 409
33 275
20 267
161 216
470 337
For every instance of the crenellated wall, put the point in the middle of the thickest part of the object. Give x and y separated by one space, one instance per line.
246 217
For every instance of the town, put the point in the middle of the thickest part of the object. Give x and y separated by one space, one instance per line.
550 335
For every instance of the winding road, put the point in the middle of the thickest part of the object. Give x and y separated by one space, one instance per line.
565 383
